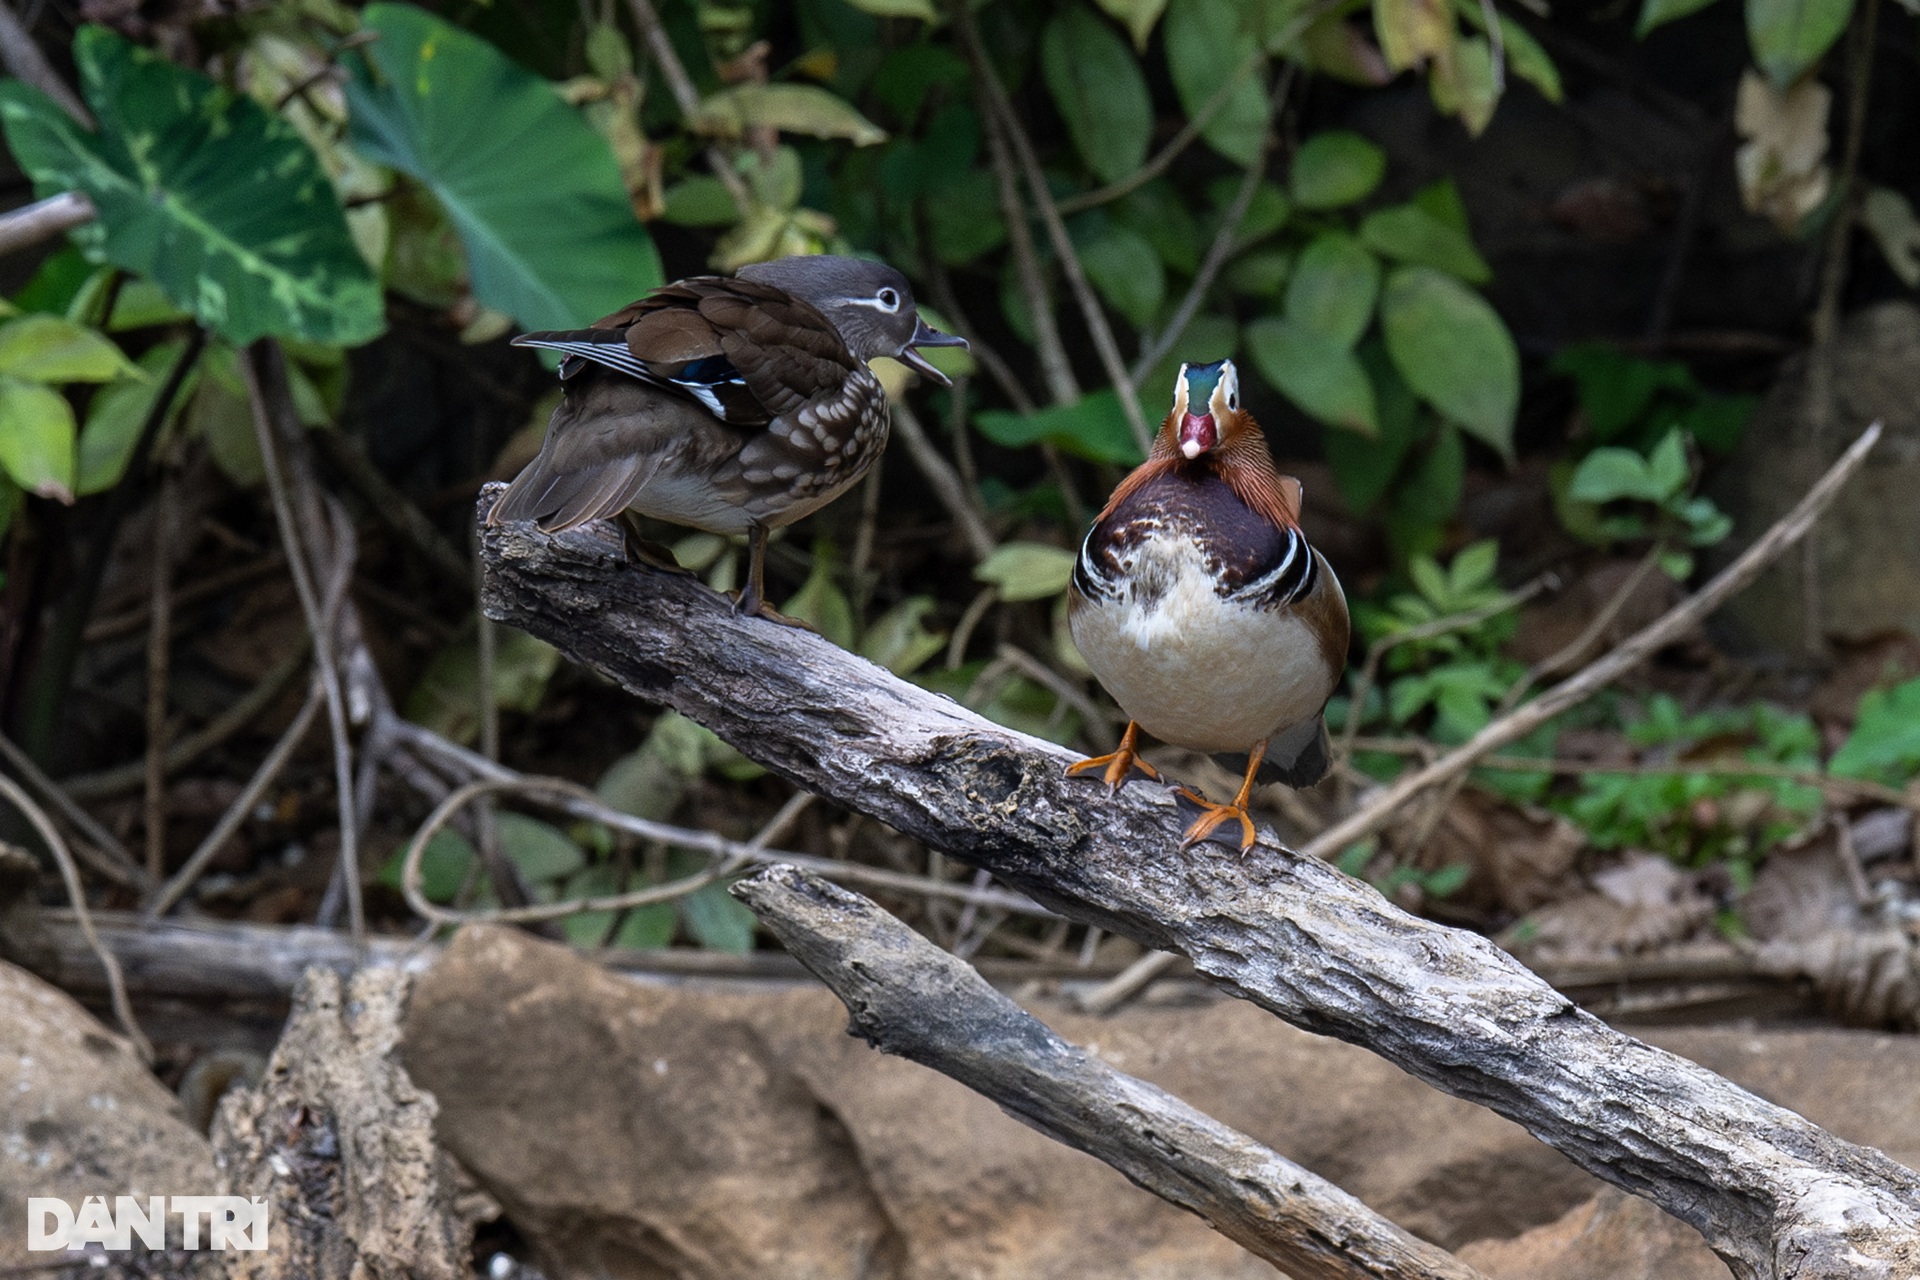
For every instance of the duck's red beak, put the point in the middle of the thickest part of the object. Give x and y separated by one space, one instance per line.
1197 434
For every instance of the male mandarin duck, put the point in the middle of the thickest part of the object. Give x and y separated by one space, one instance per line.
734 405
1199 605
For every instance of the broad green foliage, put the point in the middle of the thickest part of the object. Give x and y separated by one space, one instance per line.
1207 42
1316 371
1099 90
536 195
38 435
1027 570
203 191
1789 36
1454 351
1092 427
1335 168
1885 742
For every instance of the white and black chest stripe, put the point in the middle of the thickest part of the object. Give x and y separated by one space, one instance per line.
1247 558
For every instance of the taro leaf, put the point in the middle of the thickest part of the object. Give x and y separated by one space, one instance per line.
1454 351
1788 36
1125 269
1027 570
1335 168
1412 234
37 438
791 108
50 349
1097 86
1206 40
535 193
203 191
1316 372
119 410
1657 13
1334 287
1092 427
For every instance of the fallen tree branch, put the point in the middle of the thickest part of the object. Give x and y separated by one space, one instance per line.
1775 1195
909 998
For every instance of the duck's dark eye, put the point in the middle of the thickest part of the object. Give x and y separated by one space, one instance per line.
890 299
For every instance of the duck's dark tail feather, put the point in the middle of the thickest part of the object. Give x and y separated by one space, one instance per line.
1298 757
558 499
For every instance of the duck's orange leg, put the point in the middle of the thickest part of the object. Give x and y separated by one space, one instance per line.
1217 814
1115 767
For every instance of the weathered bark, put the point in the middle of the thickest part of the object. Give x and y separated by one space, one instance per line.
1773 1194
340 1143
909 998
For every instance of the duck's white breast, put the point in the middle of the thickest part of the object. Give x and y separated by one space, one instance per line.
1194 668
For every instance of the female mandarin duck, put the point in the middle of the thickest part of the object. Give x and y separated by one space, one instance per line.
732 405
1199 605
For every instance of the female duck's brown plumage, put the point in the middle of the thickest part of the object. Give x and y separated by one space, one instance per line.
1199 605
732 405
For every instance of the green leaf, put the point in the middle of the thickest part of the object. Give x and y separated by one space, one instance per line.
821 604
1365 467
791 108
1092 427
1657 13
119 410
539 849
1788 36
1027 570
1615 389
899 640
1442 200
1473 568
717 921
1206 39
447 697
1138 16
1411 234
1261 272
921 9
1609 475
701 200
1454 351
1316 372
1529 61
1667 466
509 161
1334 169
1099 91
202 190
1885 742
1334 286
50 349
1125 269
1466 87
37 438
444 864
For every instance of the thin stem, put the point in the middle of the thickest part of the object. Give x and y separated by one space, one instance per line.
159 654
680 85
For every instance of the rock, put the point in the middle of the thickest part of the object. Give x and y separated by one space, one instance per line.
80 1114
1869 540
1613 1236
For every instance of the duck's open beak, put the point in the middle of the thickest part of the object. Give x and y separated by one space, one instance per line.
925 335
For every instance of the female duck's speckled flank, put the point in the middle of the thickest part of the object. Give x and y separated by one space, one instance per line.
1199 605
732 405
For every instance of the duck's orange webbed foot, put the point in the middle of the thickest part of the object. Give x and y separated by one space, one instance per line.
1115 767
1213 817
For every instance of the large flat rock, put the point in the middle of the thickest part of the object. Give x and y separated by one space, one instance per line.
80 1114
646 1131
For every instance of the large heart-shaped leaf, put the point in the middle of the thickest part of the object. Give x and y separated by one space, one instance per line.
1097 86
535 193
1454 351
201 190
